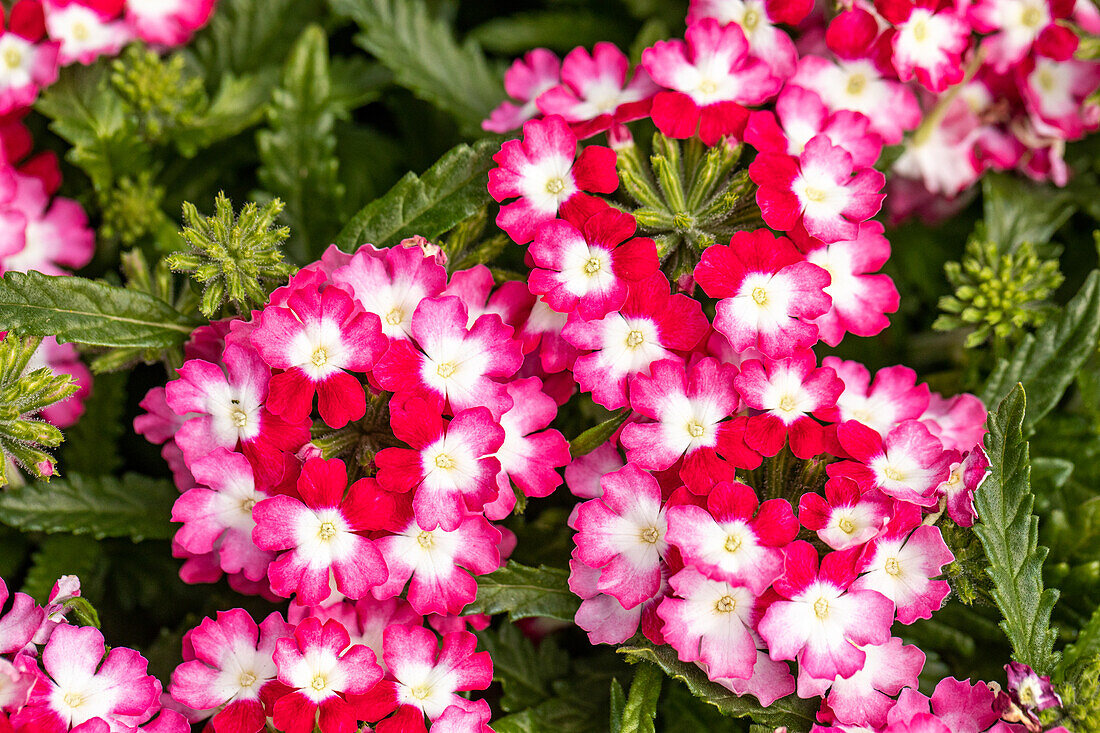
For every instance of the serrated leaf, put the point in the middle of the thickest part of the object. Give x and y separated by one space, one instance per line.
298 150
425 57
641 706
62 554
239 103
1085 648
86 111
795 713
597 435
133 506
524 592
558 30
1017 210
449 192
1046 363
1009 534
524 672
87 312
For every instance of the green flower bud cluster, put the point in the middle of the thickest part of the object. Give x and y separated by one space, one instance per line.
237 259
998 294
1080 695
158 91
24 393
131 210
687 197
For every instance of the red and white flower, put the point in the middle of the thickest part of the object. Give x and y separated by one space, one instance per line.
1019 26
167 22
28 63
711 75
86 29
928 42
867 696
758 19
845 517
545 173
908 464
892 398
526 79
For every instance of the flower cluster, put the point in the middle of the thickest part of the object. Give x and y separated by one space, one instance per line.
57 676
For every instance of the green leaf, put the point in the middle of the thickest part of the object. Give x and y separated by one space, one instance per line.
239 103
523 592
62 554
298 151
795 713
133 506
1017 210
87 312
88 113
558 30
1046 363
524 672
617 701
1009 533
449 192
597 435
641 706
425 57
1085 648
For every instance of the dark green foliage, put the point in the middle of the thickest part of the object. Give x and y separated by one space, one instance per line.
523 592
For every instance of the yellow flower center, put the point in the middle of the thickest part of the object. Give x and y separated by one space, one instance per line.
892 473
1031 17
592 266
760 296
13 58
750 20
920 30
650 535
846 525
446 369
326 531
815 194
420 692
555 186
821 607
320 356
787 404
80 32
733 543
73 699
319 683
695 430
444 461
239 417
893 566
635 338
395 317
247 679
726 604
425 539
708 86
856 84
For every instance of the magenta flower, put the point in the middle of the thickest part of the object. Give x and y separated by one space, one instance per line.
86 29
908 464
1030 690
892 398
624 534
449 464
711 75
736 539
901 562
30 62
541 171
710 621
527 78
21 621
1016 27
958 422
422 679
454 362
168 22
604 617
227 666
316 339
322 668
967 472
38 232
594 93
82 685
845 517
928 43
787 391
822 189
217 515
650 326
821 622
319 537
435 563
867 696
759 20
227 408
768 294
586 267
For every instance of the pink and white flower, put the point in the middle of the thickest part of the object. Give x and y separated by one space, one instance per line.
86 29
227 664
545 173
1019 26
319 537
650 326
28 63
217 515
845 517
423 677
526 79
594 93
585 267
758 19
167 22
822 189
768 293
1058 92
928 42
908 464
19 624
787 391
450 465
689 406
604 618
820 621
38 232
736 539
711 75
623 533
451 361
390 283
866 697
967 474
901 562
710 622
434 562
317 339
322 668
892 398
